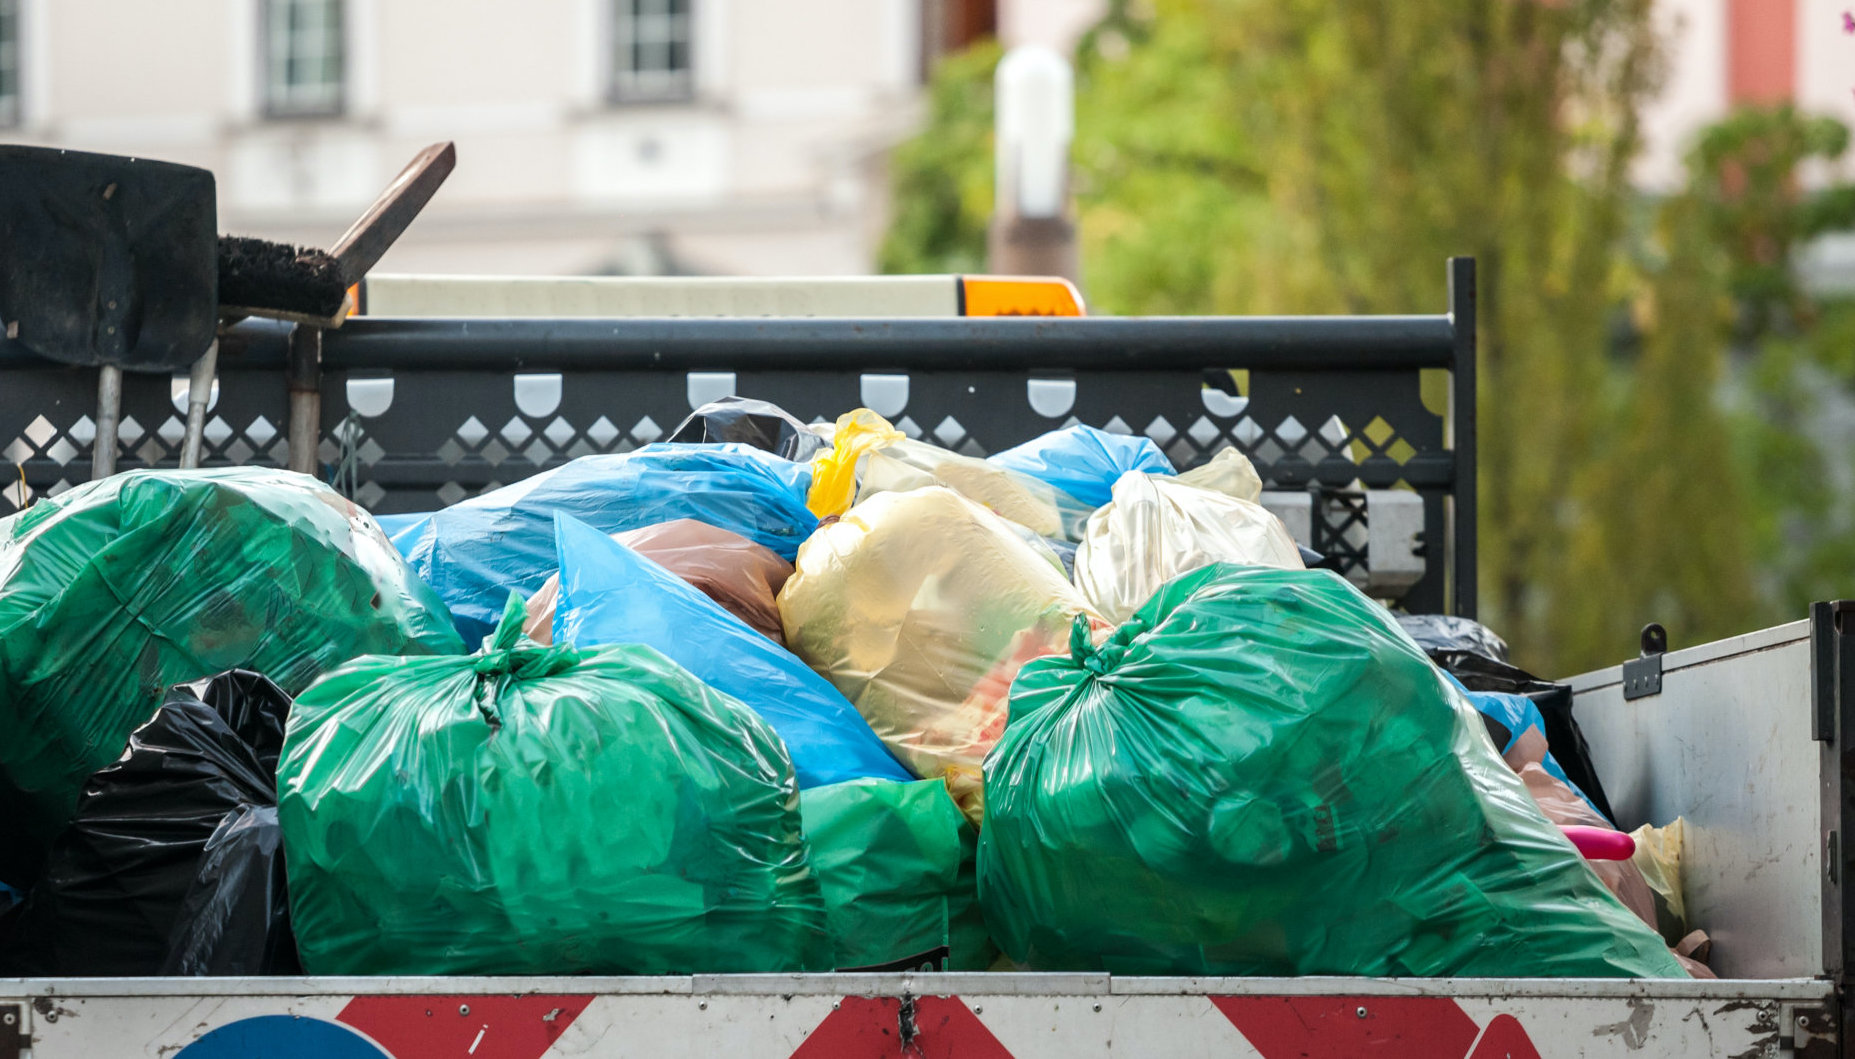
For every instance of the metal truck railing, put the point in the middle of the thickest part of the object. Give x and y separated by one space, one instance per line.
415 414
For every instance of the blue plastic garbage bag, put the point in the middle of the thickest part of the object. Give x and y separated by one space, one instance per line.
1517 713
1083 461
474 552
610 594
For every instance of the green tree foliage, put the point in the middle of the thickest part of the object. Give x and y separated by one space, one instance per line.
941 181
1240 156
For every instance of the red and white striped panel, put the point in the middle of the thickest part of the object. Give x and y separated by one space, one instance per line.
1392 1021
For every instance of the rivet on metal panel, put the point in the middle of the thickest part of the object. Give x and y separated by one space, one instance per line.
704 1006
1361 1012
1097 1007
463 1009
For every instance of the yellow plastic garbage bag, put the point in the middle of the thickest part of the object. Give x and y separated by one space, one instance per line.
869 456
920 606
1658 857
1157 528
834 470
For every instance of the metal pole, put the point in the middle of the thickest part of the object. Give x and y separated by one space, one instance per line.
199 396
1031 233
1462 306
305 398
109 418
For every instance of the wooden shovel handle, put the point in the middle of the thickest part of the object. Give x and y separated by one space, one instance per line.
368 240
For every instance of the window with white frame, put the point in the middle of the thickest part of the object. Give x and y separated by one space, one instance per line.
650 51
9 62
304 61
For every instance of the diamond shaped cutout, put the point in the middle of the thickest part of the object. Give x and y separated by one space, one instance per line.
172 431
538 452
1268 453
61 451
559 432
150 452
909 427
40 432
1182 454
602 432
494 452
1246 432
238 452
327 451
1204 432
1291 432
1160 431
61 486
450 452
1378 432
126 431
516 431
580 448
1401 450
473 432
369 494
261 432
370 451
450 493
969 447
950 432
1117 425
84 431
217 432
646 430
18 452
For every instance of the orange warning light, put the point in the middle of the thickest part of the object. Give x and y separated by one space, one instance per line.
1019 296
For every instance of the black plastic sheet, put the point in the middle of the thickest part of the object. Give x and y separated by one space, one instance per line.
174 863
758 423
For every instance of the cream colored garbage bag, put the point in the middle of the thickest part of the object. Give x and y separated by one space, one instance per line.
1157 528
920 606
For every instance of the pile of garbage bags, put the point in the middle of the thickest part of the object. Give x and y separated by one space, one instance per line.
772 697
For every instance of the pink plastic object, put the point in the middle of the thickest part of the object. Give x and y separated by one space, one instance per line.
1596 843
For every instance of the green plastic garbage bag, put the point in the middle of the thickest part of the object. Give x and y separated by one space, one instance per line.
1260 774
896 863
541 810
121 588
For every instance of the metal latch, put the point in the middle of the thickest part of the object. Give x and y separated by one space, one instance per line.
1807 1031
13 1039
1642 676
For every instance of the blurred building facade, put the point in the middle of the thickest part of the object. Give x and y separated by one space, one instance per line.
640 136
629 136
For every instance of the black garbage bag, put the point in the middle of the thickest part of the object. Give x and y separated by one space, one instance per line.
762 424
1447 632
174 862
1477 656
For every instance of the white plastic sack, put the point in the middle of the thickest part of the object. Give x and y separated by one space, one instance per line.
1157 528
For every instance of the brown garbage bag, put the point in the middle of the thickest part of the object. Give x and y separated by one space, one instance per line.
744 577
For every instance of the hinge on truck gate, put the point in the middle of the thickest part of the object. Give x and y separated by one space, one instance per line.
1643 676
13 1039
1807 1031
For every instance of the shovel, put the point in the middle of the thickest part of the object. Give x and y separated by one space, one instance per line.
107 262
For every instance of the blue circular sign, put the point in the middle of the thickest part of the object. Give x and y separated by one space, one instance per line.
282 1037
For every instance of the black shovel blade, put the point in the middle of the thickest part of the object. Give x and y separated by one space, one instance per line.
106 259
